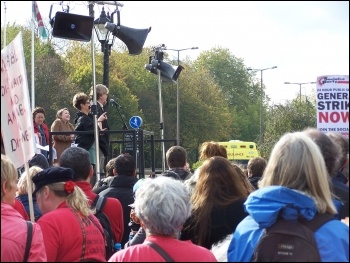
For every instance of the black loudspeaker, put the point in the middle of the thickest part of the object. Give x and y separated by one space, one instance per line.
164 76
172 71
72 26
133 38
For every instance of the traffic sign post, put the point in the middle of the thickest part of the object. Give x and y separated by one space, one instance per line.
135 122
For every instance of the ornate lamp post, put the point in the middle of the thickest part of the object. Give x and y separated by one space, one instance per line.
106 39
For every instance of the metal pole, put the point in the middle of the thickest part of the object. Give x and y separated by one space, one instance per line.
94 109
178 94
161 118
106 64
5 25
178 104
300 92
261 101
33 62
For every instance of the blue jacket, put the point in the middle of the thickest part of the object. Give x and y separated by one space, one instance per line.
264 205
25 201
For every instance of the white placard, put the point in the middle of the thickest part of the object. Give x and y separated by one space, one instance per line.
16 117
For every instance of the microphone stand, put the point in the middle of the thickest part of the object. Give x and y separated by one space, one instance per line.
126 136
120 115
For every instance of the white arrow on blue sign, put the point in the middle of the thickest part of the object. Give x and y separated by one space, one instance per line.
135 122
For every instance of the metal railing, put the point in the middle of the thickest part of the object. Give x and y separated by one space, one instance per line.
137 144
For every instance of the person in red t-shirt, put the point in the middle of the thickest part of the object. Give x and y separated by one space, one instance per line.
163 205
78 160
71 232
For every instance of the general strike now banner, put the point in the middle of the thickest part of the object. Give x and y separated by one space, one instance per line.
333 104
16 118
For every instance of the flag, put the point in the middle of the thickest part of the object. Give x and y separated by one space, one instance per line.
37 15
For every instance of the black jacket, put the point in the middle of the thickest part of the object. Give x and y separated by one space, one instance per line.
224 221
254 181
121 188
84 122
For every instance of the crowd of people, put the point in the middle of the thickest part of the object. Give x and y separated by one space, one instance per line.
219 212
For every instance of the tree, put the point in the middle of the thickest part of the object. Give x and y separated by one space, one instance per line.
241 95
290 117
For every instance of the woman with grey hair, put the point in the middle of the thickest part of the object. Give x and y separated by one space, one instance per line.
294 186
162 205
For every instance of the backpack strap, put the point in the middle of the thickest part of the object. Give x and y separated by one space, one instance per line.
159 250
317 221
29 240
99 202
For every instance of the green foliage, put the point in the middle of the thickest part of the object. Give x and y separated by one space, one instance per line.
234 81
219 99
291 117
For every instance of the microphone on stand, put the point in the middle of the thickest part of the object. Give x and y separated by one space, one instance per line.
115 103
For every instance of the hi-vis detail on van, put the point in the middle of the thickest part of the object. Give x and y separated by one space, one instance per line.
240 151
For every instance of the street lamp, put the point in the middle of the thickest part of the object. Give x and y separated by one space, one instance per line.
106 39
178 94
300 86
261 96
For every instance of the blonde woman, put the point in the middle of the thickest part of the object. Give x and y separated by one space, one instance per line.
71 232
22 193
13 227
295 174
62 124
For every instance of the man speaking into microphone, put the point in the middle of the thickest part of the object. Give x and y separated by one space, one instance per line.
101 99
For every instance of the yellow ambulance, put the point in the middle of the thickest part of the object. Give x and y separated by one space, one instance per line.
240 151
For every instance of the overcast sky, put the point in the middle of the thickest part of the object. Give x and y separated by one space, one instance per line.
303 39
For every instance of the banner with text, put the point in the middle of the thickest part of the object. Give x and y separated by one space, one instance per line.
333 104
16 118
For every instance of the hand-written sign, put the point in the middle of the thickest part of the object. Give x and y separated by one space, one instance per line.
16 121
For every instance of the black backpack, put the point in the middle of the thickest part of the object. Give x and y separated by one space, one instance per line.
290 241
98 204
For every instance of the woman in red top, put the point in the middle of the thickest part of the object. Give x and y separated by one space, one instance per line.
71 231
13 227
40 128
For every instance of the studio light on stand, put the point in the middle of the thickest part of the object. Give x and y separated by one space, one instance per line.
166 72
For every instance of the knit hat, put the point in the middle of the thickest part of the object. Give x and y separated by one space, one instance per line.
52 175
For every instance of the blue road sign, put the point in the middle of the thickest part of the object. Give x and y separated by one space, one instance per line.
135 122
